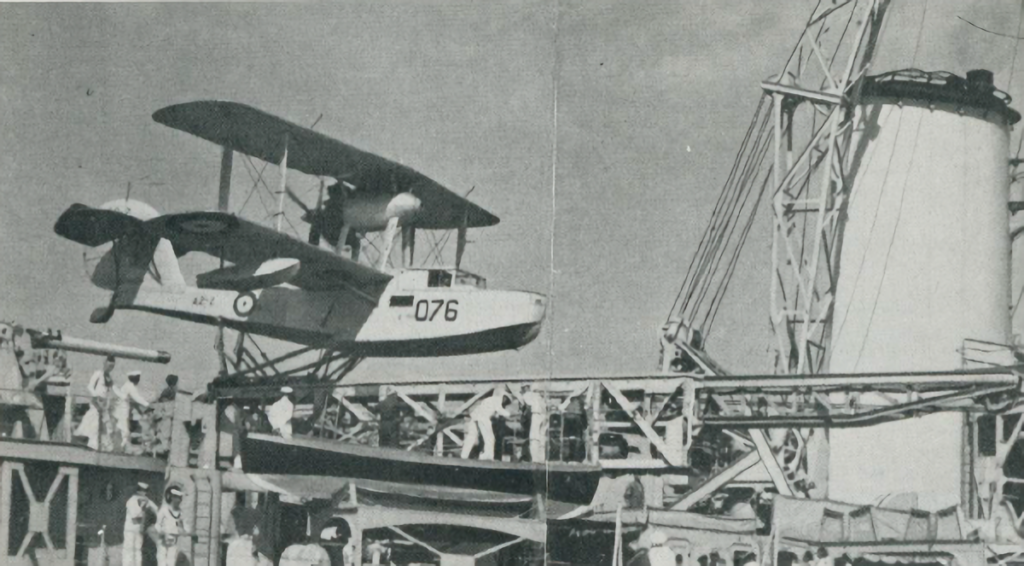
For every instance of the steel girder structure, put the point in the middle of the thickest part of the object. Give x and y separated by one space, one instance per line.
812 122
811 102
672 425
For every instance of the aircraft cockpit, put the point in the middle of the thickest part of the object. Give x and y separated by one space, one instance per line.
467 279
440 279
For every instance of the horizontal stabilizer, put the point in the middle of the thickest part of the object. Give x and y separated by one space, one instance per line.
93 226
249 277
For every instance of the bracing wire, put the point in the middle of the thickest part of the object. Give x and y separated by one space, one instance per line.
699 270
730 269
702 248
742 195
723 243
716 303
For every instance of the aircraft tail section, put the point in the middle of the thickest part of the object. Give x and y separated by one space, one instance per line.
135 260
139 262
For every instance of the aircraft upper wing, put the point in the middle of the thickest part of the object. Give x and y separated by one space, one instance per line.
242 242
253 132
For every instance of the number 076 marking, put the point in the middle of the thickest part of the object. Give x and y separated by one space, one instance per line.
429 309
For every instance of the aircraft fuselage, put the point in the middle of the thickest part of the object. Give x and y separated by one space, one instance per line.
420 313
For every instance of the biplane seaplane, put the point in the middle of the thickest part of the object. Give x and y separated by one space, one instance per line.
276 285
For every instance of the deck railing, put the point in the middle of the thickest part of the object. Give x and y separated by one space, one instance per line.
102 424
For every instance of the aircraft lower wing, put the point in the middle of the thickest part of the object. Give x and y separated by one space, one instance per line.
253 132
243 242
235 240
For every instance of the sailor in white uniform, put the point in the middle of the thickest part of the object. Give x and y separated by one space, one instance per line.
96 421
128 396
136 510
280 413
479 424
538 423
170 524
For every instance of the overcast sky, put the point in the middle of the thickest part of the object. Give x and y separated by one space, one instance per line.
637 107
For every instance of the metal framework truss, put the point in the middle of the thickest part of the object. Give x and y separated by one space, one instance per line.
996 484
705 428
810 102
43 519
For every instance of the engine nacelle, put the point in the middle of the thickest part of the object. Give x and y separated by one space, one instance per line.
370 213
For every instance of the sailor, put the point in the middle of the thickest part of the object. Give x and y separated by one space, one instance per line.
136 509
633 497
170 525
171 391
96 420
660 554
54 369
538 408
390 411
574 428
128 398
479 424
280 413
36 374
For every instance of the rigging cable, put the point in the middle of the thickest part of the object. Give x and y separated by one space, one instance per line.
698 271
698 260
753 162
723 286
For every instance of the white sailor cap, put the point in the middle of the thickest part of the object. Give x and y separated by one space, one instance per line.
135 372
329 533
175 490
142 486
287 390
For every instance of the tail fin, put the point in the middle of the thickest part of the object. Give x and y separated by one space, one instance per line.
136 260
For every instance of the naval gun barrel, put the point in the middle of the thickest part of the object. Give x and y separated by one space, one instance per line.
59 342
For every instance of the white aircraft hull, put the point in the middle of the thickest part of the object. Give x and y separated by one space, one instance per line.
404 323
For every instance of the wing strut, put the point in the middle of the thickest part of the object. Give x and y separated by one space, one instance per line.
281 191
460 246
389 241
223 202
225 179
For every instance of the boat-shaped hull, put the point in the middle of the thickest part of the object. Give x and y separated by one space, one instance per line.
264 454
